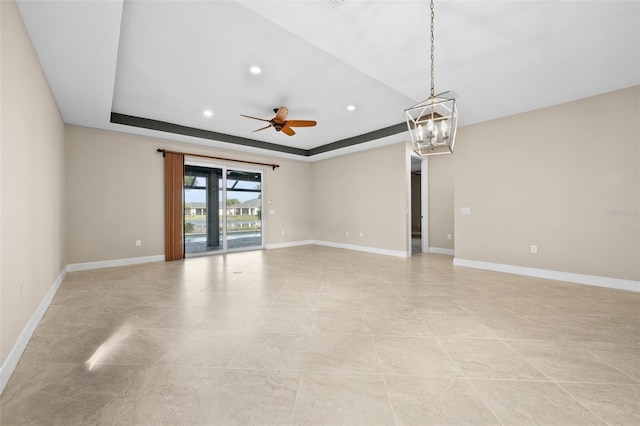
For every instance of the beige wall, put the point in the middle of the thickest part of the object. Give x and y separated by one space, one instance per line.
563 178
32 218
441 176
287 192
364 192
115 194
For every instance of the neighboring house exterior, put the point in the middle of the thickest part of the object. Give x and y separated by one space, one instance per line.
194 209
248 208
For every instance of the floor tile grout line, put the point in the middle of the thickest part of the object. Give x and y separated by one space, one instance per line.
506 343
304 362
464 376
580 403
384 380
578 382
407 277
618 370
96 415
553 381
417 314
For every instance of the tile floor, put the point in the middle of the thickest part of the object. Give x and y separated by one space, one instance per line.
315 335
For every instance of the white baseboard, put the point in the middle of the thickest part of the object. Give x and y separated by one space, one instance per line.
10 363
288 244
615 283
362 248
115 262
438 250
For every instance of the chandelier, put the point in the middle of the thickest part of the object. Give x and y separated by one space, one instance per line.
433 122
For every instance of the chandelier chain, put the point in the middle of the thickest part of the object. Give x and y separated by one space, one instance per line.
433 91
432 123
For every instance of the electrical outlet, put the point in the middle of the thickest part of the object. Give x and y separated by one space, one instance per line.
361 235
346 234
534 249
282 232
138 243
448 236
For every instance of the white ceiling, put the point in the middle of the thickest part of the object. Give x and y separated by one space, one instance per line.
170 60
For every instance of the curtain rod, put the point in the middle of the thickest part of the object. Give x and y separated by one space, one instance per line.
164 151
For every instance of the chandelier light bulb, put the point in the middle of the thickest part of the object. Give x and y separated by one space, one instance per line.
420 133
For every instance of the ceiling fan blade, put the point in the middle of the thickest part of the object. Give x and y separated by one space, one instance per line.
256 118
288 130
281 115
300 123
265 127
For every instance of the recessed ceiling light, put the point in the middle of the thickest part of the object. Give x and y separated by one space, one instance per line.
351 107
255 70
208 113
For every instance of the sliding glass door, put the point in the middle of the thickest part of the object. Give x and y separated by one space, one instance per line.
223 209
244 209
202 223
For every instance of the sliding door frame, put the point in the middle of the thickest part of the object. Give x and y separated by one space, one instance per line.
202 162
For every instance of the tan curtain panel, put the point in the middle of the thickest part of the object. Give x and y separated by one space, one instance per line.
173 205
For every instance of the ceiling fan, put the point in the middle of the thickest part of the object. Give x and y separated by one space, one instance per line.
280 122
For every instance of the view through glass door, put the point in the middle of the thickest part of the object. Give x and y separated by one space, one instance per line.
223 209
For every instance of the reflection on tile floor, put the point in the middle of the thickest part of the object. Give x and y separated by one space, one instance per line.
316 335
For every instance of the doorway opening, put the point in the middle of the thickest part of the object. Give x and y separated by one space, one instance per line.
419 196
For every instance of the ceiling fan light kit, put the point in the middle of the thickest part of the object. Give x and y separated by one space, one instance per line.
432 123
